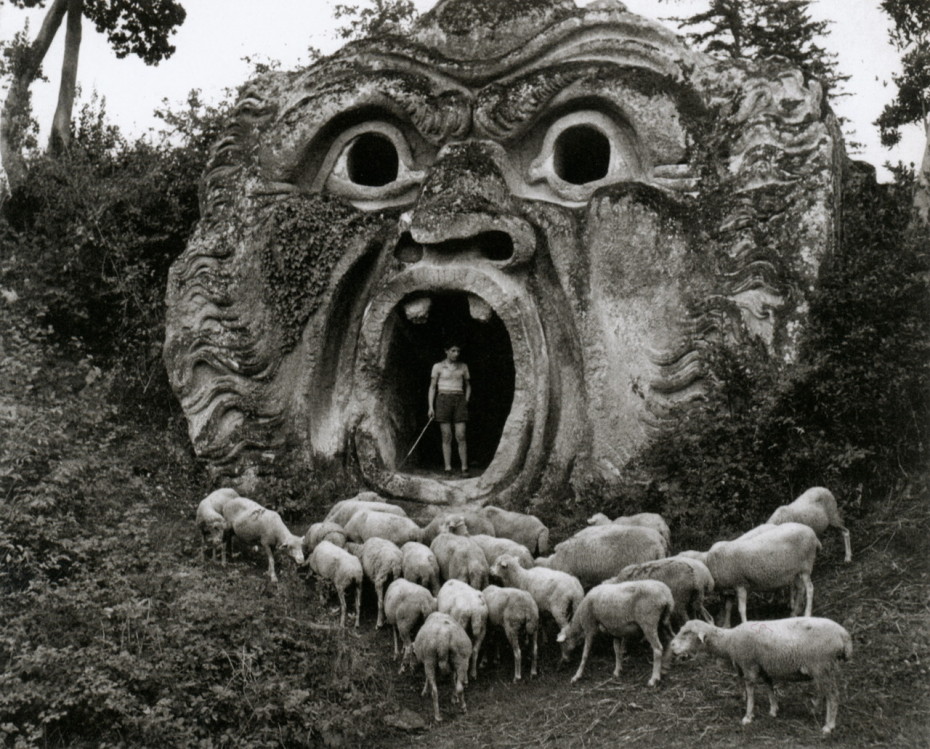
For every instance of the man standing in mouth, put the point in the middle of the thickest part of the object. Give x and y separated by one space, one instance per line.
449 391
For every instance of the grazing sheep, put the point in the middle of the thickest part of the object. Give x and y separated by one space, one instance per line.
815 508
597 553
794 649
554 591
475 523
776 558
459 557
514 611
441 642
253 524
420 565
336 565
406 605
622 610
342 512
214 528
688 579
641 520
493 547
526 530
324 531
382 561
467 606
366 524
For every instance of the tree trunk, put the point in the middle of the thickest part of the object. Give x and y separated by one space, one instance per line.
60 138
15 108
922 187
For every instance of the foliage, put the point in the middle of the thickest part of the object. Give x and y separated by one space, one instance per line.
910 34
377 17
754 29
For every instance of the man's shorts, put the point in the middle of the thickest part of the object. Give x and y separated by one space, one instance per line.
451 408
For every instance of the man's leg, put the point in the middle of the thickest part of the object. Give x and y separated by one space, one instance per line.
446 444
463 447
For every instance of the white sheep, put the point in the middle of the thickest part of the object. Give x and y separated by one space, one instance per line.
406 605
515 612
493 547
475 523
815 508
467 606
622 610
324 531
382 562
214 528
779 557
793 649
688 579
442 643
459 557
526 530
641 519
420 565
599 552
253 524
336 565
342 512
556 592
366 524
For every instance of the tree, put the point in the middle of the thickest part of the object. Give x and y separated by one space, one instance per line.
910 35
132 27
377 18
765 28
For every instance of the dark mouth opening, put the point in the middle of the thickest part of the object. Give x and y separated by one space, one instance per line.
413 349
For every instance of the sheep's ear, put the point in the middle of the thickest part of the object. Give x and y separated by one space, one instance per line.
561 636
701 636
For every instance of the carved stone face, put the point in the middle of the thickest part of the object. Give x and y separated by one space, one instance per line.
573 195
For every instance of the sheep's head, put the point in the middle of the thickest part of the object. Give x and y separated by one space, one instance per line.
294 548
568 639
598 518
690 638
504 563
214 532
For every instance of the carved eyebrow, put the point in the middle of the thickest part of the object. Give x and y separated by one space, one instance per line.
435 108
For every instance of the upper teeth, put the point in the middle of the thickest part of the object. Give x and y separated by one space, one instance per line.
417 309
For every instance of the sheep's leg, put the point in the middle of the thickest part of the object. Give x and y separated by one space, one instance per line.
750 688
458 694
358 602
769 687
652 638
618 656
533 671
833 702
342 605
727 610
808 593
394 630
741 595
847 544
586 651
479 638
513 637
379 589
429 668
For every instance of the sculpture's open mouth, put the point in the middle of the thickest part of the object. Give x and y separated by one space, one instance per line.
405 329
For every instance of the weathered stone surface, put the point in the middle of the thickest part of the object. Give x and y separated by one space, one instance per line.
575 194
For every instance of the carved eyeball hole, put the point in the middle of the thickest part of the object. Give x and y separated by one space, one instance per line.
372 160
581 154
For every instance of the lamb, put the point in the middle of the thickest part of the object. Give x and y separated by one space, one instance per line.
526 530
459 557
793 649
514 611
554 591
641 519
815 508
253 524
595 554
335 564
688 579
366 524
493 547
475 522
382 561
420 565
622 610
776 558
214 528
406 604
467 606
342 512
324 531
441 642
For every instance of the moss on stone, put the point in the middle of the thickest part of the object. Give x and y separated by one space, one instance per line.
464 16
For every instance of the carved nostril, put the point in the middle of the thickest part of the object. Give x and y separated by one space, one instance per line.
406 250
496 245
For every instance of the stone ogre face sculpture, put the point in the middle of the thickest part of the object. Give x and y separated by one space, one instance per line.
576 197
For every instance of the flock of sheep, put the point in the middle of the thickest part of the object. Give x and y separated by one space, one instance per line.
433 585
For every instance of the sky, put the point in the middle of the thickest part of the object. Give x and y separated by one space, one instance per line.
218 34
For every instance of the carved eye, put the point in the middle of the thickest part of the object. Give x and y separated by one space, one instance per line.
583 151
370 164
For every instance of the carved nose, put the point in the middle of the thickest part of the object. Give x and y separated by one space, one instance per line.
465 206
